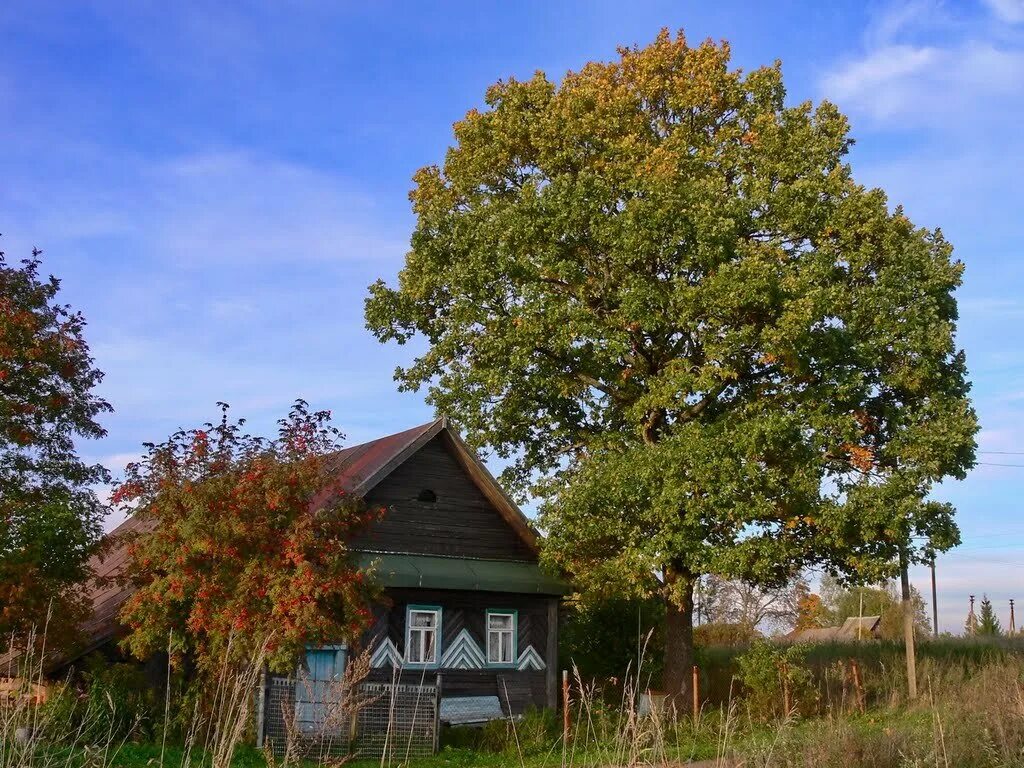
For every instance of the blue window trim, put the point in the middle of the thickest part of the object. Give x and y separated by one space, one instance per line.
438 652
514 613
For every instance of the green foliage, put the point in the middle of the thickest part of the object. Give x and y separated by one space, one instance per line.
770 673
50 517
881 664
115 703
885 601
988 624
604 639
658 290
243 542
532 734
124 703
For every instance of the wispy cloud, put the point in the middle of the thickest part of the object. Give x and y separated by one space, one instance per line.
1010 11
213 207
907 85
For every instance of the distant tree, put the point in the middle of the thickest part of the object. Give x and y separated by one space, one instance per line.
971 624
732 601
658 289
50 516
811 612
725 635
245 540
988 623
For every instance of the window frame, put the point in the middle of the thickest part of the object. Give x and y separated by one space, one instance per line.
514 631
438 612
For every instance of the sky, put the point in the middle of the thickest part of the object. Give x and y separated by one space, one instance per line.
217 184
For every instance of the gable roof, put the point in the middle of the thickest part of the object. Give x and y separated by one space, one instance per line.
356 469
848 631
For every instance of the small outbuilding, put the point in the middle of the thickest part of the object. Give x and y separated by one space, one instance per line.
853 629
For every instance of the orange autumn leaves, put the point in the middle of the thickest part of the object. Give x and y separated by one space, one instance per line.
248 540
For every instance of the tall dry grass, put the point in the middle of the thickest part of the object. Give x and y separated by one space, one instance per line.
39 724
64 729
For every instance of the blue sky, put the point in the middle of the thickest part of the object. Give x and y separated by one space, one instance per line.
218 183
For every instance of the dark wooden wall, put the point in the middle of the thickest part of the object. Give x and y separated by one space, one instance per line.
461 523
515 689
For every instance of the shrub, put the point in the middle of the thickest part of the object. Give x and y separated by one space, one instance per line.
114 703
775 677
532 734
723 634
121 703
603 639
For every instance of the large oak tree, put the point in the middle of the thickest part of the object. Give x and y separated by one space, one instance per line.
659 291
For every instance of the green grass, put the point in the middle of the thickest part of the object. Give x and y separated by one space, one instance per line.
798 736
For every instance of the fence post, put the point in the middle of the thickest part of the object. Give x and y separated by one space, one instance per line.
858 687
786 704
696 693
437 714
842 671
566 716
261 699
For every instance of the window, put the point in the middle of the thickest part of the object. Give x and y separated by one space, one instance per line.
501 637
421 633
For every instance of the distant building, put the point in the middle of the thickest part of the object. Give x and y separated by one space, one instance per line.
853 629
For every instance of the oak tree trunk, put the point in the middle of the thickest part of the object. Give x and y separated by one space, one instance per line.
679 657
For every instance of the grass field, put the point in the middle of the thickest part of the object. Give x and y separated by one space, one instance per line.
970 714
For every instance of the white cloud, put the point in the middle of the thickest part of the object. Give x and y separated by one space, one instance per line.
231 310
906 85
118 462
880 68
995 307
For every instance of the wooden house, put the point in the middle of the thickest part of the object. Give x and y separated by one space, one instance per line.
465 597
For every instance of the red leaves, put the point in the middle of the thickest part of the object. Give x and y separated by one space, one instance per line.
238 543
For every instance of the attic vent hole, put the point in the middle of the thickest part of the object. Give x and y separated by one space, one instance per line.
427 495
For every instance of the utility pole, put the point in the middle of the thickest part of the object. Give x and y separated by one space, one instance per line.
972 621
1013 621
935 602
908 626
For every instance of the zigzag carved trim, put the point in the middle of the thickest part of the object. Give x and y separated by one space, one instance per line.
386 655
530 658
463 653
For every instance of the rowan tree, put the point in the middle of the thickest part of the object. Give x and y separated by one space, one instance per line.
658 291
50 517
244 540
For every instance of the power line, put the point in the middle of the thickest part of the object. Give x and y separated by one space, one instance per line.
1004 453
997 464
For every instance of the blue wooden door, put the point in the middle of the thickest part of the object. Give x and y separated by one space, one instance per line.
318 690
